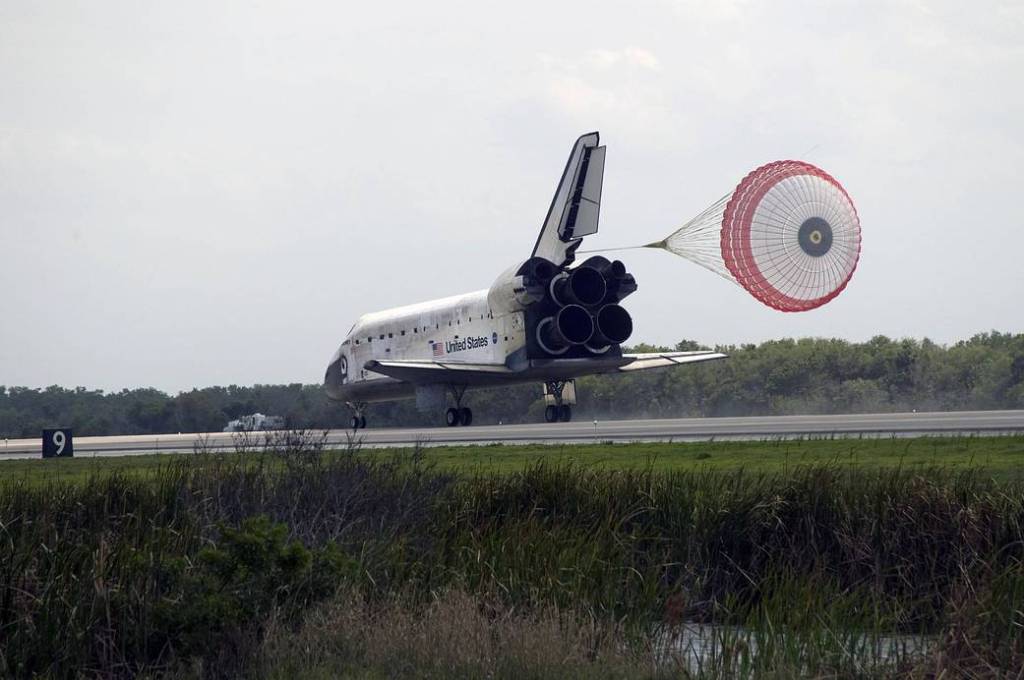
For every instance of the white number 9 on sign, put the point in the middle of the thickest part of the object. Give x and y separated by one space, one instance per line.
59 440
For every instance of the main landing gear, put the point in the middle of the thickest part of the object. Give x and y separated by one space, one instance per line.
358 409
558 411
460 415
554 413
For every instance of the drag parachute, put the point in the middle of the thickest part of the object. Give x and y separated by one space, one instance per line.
789 234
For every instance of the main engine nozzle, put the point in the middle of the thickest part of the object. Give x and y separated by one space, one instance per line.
609 269
571 325
581 286
613 326
618 282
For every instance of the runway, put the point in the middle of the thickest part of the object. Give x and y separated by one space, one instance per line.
582 431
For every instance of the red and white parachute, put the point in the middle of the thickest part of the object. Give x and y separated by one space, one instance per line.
789 234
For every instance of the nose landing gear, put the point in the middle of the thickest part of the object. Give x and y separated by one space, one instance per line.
358 416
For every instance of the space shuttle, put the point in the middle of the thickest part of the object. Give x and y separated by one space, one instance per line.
547 319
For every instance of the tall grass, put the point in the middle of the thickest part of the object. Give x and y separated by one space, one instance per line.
117 576
80 569
724 543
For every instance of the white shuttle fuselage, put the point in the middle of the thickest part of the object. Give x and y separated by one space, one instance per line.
460 328
544 320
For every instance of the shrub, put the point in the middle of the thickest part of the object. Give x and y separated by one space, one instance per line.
217 606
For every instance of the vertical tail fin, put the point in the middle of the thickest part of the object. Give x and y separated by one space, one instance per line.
576 206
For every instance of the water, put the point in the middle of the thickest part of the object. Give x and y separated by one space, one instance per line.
698 648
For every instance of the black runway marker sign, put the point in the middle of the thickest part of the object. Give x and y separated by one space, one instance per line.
58 443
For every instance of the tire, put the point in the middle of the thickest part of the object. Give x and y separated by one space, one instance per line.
355 423
565 413
465 416
362 422
550 414
451 417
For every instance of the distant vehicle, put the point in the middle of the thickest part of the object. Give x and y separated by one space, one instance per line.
254 422
541 321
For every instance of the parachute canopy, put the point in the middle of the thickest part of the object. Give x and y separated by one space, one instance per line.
789 234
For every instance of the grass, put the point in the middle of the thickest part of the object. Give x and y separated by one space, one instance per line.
565 561
1001 457
81 468
452 636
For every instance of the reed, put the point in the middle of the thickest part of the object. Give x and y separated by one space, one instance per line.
198 565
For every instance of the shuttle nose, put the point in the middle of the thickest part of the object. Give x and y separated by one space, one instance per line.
332 379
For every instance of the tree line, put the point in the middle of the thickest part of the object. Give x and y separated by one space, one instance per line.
778 377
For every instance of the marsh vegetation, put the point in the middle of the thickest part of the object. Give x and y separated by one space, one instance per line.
290 561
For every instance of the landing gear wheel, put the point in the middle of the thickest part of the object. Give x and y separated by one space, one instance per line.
362 422
465 416
565 413
451 416
550 414
356 422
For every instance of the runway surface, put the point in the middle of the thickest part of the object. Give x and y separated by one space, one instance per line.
583 431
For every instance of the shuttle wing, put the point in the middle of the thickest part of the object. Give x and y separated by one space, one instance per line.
425 371
658 359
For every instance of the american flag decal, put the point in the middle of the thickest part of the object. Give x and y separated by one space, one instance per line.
438 349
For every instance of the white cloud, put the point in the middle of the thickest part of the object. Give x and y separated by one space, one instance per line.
714 11
172 160
629 56
623 89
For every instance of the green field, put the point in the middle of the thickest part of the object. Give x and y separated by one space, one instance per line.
518 561
1000 457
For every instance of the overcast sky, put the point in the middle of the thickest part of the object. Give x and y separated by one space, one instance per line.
204 193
